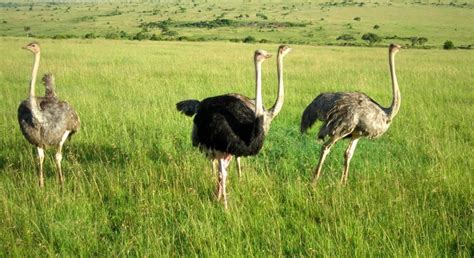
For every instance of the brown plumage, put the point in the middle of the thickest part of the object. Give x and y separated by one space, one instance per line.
46 121
350 115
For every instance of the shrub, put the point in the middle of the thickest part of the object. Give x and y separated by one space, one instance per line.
413 40
90 35
112 35
263 16
376 27
155 37
64 36
123 34
141 36
421 41
371 38
357 19
346 37
170 33
249 39
448 45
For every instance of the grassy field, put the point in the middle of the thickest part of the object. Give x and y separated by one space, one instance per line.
294 22
135 186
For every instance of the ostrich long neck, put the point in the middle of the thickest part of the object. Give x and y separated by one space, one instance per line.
34 74
258 89
32 98
396 99
281 93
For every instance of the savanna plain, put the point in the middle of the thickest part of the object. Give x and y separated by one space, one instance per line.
135 186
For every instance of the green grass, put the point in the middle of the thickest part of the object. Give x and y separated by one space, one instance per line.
135 185
324 22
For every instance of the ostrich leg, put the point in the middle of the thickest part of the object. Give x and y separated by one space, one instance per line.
223 164
347 158
239 167
219 179
59 157
324 152
41 159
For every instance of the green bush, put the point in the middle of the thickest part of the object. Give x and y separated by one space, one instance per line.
261 15
249 39
90 35
371 38
346 37
141 36
112 35
448 44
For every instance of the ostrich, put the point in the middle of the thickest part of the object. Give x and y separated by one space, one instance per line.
46 121
350 115
270 114
225 126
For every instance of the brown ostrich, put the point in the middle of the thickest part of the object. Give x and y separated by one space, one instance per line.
46 121
350 115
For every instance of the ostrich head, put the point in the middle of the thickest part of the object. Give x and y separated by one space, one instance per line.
394 48
33 47
261 55
283 50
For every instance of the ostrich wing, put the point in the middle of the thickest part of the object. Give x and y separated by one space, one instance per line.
318 109
226 124
354 113
57 117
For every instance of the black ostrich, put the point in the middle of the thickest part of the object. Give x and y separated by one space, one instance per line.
46 121
226 126
271 113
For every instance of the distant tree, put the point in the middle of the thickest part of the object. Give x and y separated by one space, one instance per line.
170 33
357 19
261 15
249 39
345 37
376 27
27 29
413 40
422 41
448 45
371 38
141 36
112 35
90 35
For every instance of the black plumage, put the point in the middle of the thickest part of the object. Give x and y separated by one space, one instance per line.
225 124
228 125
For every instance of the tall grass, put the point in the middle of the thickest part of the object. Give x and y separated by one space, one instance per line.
135 186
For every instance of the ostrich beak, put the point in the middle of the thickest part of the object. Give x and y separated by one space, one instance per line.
268 56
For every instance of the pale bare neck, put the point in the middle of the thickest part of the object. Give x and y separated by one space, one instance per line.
281 93
258 89
34 74
396 98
